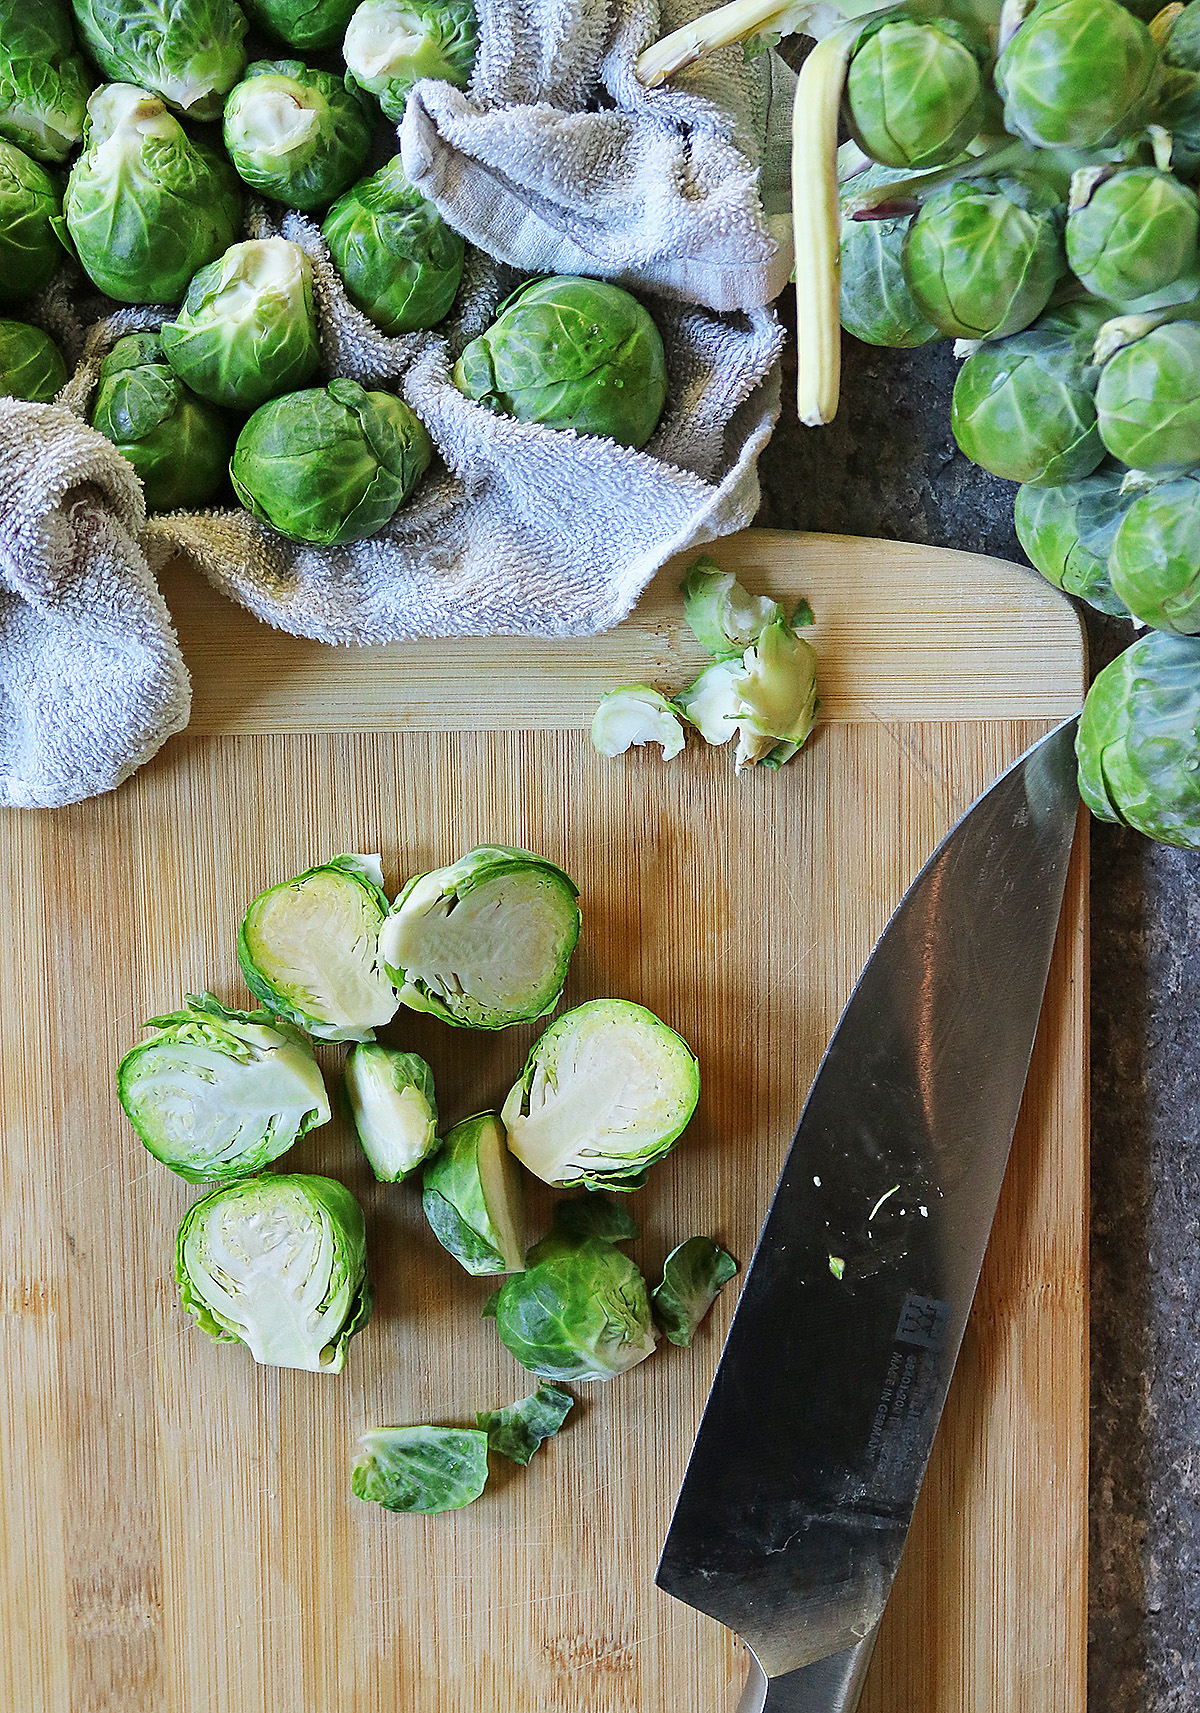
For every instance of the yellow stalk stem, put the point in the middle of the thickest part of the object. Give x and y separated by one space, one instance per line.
717 29
816 221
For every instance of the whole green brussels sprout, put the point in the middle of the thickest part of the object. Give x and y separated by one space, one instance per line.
1148 402
32 245
1177 106
297 135
571 353
399 261
1155 559
1134 234
306 25
982 256
876 304
188 51
247 330
178 445
1068 531
914 92
392 44
1138 749
146 206
31 364
329 465
1078 74
44 83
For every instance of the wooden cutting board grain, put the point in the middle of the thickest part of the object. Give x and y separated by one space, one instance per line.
178 1533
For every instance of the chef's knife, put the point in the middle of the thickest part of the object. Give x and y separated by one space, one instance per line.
805 1472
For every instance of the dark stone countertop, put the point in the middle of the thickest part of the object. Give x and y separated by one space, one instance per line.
889 467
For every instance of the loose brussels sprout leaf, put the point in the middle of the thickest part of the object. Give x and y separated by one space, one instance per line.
579 1312
399 261
178 445
693 1275
31 226
330 464
188 51
247 330
605 1093
594 1216
1068 532
635 714
31 364
1078 74
44 83
301 24
1134 232
1139 755
309 949
394 1109
392 44
484 943
220 1094
518 1430
297 135
473 1199
876 304
712 703
769 698
1024 408
1155 559
725 618
424 1469
914 92
278 1262
1147 403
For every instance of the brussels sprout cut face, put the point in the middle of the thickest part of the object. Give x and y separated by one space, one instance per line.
914 93
635 714
31 364
1139 755
579 1312
44 83
1155 559
391 44
189 51
400 262
1148 403
473 1199
423 1469
519 1429
693 1276
486 942
395 1112
1078 74
295 134
1068 532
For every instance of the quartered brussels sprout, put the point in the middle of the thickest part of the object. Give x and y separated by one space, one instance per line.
44 84
1078 74
306 25
606 1092
422 1469
519 1429
484 943
32 245
571 353
220 1094
145 205
309 949
394 1108
694 1274
188 51
279 1263
247 330
1024 407
473 1199
768 698
330 464
1138 749
914 92
31 364
876 304
178 444
1155 559
399 261
392 44
1068 531
1131 231
296 135
580 1311
725 618
636 714
1147 401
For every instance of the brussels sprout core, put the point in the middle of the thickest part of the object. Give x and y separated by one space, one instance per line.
1139 754
395 1112
635 714
295 134
473 1199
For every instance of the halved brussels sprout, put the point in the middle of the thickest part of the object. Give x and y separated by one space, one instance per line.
1068 532
1155 559
31 364
422 1469
1130 231
1147 402
768 697
725 618
1138 749
392 44
302 24
914 91
580 1311
519 1429
694 1274
636 714
1078 74
309 949
473 1199
44 83
606 1092
394 1108
296 135
220 1094
484 943
399 261
189 51
178 444
32 245
278 1263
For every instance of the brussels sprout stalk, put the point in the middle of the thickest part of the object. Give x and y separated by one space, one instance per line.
905 195
743 21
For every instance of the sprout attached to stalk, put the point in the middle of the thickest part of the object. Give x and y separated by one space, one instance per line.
636 714
1147 404
473 1199
1131 231
768 698
1068 532
1139 754
394 1108
876 305
914 91
1078 74
1155 559
421 1469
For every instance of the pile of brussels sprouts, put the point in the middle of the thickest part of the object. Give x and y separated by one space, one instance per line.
277 1260
132 153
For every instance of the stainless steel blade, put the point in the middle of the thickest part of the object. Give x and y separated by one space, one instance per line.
802 1482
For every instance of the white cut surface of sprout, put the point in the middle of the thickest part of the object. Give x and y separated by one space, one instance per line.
489 943
326 953
213 1107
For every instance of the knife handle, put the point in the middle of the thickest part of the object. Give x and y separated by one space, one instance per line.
831 1685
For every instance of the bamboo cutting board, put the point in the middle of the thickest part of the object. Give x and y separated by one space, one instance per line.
178 1533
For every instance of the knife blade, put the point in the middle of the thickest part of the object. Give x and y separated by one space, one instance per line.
801 1485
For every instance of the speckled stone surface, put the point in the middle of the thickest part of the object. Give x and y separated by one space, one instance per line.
889 467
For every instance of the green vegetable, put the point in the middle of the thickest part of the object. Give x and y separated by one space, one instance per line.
145 206
1132 232
178 445
394 1108
32 246
44 83
579 1312
484 943
331 464
424 1469
188 51
768 697
594 1215
724 618
296 135
392 44
306 25
247 330
1177 106
399 261
473 1199
31 364
220 1094
1138 749
914 92
278 1262
309 949
1078 74
693 1276
1148 403
519 1429
1155 559
876 304
636 714
1068 531
606 1092
571 353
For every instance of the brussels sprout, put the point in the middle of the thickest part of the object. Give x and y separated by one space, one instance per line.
1078 74
424 1469
594 1215
297 135
330 464
1133 233
398 259
1024 408
768 697
694 1274
1067 531
1139 754
44 83
145 206
486 942
279 1263
220 1094
981 257
309 949
392 44
178 445
876 304
31 364
32 248
580 1311
1177 106
188 51
519 1429
1147 402
571 353
394 1108
914 92
473 1199
305 25
724 618
636 714
606 1092
247 330
1155 559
